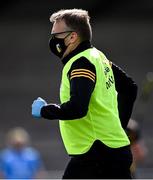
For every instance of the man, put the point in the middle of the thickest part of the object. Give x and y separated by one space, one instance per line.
89 120
19 160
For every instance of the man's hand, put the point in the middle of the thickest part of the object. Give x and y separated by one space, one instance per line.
36 107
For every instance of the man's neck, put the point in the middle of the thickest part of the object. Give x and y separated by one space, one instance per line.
70 48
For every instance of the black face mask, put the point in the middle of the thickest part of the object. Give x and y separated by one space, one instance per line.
57 45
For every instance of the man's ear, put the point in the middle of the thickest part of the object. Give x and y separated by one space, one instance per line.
73 37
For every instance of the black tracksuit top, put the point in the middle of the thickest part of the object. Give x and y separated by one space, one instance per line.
82 87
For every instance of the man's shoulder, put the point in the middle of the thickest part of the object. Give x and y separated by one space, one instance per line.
82 62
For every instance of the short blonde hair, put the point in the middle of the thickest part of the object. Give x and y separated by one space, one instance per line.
17 134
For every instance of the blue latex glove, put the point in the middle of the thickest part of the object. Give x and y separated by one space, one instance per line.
36 107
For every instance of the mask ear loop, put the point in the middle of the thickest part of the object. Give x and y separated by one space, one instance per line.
66 37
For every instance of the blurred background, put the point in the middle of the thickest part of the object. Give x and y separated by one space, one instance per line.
123 30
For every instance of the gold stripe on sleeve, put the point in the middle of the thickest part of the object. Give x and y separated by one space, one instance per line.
82 75
83 70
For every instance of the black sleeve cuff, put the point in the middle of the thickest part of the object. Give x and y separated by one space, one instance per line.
51 111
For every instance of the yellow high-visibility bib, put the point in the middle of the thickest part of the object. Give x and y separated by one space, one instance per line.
102 119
